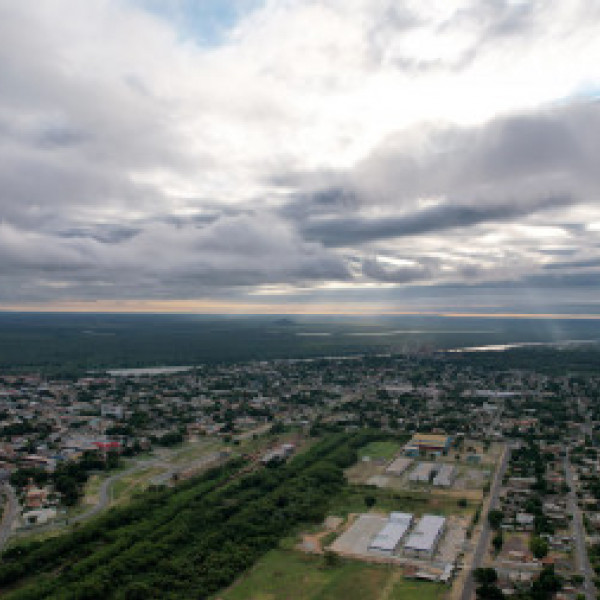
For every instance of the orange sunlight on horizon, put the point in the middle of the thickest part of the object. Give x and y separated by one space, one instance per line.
209 307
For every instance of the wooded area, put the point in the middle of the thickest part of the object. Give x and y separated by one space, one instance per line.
185 542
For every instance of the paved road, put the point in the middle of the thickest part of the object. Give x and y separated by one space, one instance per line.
104 496
484 537
583 563
11 511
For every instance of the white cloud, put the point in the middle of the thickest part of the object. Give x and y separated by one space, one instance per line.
110 117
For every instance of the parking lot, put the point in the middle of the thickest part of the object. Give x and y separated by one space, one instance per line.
356 539
453 541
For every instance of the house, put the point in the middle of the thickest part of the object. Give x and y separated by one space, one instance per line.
524 521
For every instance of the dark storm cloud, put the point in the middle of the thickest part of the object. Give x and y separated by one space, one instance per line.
505 165
589 279
575 264
105 233
349 231
232 252
509 160
374 269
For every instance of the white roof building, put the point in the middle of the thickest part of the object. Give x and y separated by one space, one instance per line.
392 533
427 533
422 472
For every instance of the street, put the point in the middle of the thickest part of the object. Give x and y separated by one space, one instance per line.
583 563
484 537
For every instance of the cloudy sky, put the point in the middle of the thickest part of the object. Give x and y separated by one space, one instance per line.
300 155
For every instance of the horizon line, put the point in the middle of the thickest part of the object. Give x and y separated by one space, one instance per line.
202 308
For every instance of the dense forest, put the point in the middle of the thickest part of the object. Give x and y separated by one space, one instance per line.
185 542
69 344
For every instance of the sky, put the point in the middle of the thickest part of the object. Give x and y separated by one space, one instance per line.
352 156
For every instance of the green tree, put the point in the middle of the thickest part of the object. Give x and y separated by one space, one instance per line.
538 546
489 592
330 558
370 501
498 541
137 591
485 575
495 518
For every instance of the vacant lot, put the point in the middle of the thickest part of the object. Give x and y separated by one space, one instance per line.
123 489
286 575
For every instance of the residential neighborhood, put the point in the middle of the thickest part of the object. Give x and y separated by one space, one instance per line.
505 460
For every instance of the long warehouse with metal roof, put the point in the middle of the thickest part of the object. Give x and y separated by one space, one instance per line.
426 535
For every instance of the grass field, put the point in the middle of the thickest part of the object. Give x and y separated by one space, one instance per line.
286 575
190 452
381 450
416 590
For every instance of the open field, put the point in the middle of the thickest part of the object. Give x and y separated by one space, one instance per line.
264 441
124 488
191 451
416 590
352 500
287 575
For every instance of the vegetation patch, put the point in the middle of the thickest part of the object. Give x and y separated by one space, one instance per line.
296 576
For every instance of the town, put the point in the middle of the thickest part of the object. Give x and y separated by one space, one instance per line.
486 479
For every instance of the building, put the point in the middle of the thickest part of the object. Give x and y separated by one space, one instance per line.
40 516
430 442
423 472
398 466
423 541
392 533
445 476
524 521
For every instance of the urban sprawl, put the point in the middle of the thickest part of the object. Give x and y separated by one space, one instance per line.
485 479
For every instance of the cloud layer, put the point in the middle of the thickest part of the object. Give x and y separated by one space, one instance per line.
184 150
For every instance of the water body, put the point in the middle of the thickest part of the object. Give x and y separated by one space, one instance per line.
503 347
148 371
417 332
313 334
